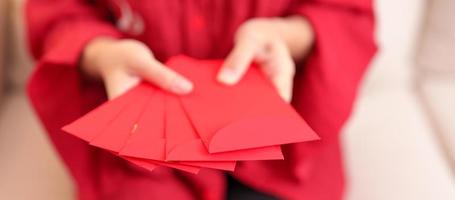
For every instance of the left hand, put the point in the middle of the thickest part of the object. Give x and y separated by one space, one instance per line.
273 44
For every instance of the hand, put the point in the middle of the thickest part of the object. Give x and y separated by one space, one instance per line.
121 64
273 44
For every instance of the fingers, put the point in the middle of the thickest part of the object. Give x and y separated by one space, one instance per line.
283 83
119 81
237 63
130 61
275 61
163 77
280 69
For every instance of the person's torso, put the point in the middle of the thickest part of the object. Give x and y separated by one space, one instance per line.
198 28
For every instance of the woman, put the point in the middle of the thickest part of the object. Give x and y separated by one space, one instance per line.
314 51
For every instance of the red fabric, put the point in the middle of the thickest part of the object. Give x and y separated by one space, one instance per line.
325 88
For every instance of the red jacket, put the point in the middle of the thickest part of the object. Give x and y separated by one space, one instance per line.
325 87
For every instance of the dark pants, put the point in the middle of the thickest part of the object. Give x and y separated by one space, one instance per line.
239 191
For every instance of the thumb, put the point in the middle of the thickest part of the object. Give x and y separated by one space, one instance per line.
118 83
237 63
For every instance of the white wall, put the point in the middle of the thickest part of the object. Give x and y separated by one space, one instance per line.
391 150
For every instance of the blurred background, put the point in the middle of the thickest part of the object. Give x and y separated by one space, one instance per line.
399 143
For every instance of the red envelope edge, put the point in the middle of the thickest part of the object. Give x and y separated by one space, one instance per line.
221 165
183 143
151 165
227 138
135 148
195 151
189 165
90 125
142 163
227 165
247 115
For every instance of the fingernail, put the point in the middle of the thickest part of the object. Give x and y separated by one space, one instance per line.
182 86
227 76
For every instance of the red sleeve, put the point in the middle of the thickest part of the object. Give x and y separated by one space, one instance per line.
324 91
59 29
344 45
57 32
326 86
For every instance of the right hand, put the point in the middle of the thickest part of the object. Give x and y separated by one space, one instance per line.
122 64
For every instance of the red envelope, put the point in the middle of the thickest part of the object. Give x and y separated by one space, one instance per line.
115 128
184 144
247 115
146 140
115 134
149 127
221 165
151 165
91 124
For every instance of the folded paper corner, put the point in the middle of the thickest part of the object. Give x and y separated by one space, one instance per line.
260 132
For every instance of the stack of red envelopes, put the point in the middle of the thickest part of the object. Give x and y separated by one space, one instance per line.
212 127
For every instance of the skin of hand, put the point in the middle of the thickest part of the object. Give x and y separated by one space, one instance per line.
272 43
121 64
